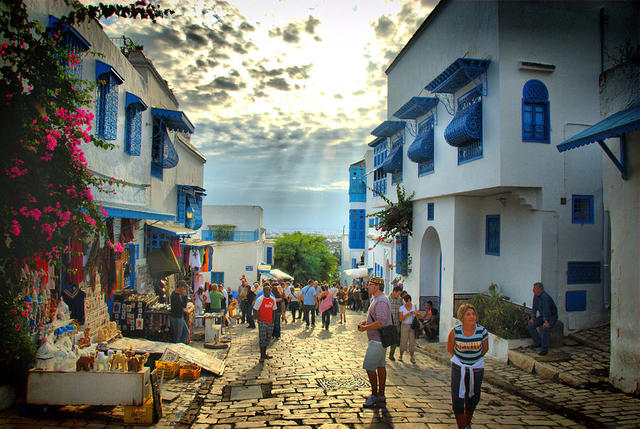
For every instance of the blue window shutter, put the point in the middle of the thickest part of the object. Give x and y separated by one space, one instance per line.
583 272
197 212
132 266
492 235
107 108
402 253
181 215
576 300
269 255
133 129
430 210
353 263
137 251
535 112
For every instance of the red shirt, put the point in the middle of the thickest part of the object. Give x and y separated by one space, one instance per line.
265 312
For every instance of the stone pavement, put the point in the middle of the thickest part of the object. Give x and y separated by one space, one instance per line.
316 378
574 386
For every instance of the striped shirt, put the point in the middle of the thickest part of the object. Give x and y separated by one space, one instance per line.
469 349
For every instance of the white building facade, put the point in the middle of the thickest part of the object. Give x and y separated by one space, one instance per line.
240 244
475 100
137 112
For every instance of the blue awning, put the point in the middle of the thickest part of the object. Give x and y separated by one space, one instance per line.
377 141
192 190
615 125
131 211
171 228
457 75
175 120
416 107
393 162
388 128
70 32
465 127
104 68
132 98
421 149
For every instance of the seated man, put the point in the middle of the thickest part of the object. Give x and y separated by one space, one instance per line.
543 304
431 321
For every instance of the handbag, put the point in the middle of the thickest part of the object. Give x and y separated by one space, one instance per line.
416 324
389 335
326 303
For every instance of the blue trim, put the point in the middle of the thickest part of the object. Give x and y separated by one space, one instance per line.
388 128
492 235
402 254
377 141
136 212
575 300
393 163
84 43
175 120
416 107
583 217
430 210
583 272
458 74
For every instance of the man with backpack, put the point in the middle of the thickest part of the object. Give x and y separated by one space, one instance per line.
309 299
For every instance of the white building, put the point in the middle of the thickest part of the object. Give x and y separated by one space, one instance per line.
475 100
240 244
137 112
617 134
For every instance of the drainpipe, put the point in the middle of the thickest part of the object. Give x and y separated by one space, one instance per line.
606 260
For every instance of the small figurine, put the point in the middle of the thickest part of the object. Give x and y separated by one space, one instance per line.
86 340
101 362
136 363
118 362
45 358
85 363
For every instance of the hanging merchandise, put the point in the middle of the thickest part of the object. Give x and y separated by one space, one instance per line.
194 259
74 298
75 273
127 230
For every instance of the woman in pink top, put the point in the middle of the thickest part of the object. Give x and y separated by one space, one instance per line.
326 304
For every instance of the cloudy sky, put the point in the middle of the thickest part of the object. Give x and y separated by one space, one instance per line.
283 94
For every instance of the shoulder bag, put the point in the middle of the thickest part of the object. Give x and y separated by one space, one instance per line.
389 335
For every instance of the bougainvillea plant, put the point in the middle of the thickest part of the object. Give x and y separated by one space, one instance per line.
45 117
395 219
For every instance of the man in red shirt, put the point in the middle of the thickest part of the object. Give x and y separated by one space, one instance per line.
263 310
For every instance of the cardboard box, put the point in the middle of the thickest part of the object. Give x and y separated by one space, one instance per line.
139 415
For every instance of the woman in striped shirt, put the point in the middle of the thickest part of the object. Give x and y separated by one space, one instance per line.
467 344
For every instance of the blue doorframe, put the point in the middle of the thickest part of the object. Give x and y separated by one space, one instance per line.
440 284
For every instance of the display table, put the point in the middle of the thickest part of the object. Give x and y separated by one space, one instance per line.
88 388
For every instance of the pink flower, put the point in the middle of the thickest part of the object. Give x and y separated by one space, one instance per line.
14 228
118 248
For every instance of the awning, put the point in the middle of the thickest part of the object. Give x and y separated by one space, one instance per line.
105 69
421 149
132 98
388 128
135 212
194 242
69 32
171 228
280 275
458 74
377 141
169 154
175 120
393 162
465 127
162 261
616 125
357 273
416 107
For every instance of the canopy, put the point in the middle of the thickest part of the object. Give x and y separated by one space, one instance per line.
171 228
280 275
357 273
264 268
162 261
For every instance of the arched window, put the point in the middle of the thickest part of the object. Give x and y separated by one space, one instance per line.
535 112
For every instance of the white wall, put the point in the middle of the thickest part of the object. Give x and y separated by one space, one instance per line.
232 258
244 218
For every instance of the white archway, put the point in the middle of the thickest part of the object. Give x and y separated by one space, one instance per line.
430 268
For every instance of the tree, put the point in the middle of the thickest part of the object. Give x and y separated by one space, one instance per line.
45 117
305 257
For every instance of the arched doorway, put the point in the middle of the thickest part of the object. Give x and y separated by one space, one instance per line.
430 269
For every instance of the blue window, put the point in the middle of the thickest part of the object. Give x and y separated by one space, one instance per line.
402 254
269 255
75 45
426 128
357 185
134 107
582 209
492 238
379 181
189 206
576 300
107 103
133 255
396 177
356 229
217 277
354 263
371 222
430 209
470 111
379 154
535 112
583 272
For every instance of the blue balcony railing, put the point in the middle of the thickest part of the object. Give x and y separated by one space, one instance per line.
212 235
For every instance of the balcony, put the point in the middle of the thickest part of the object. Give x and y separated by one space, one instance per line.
238 236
